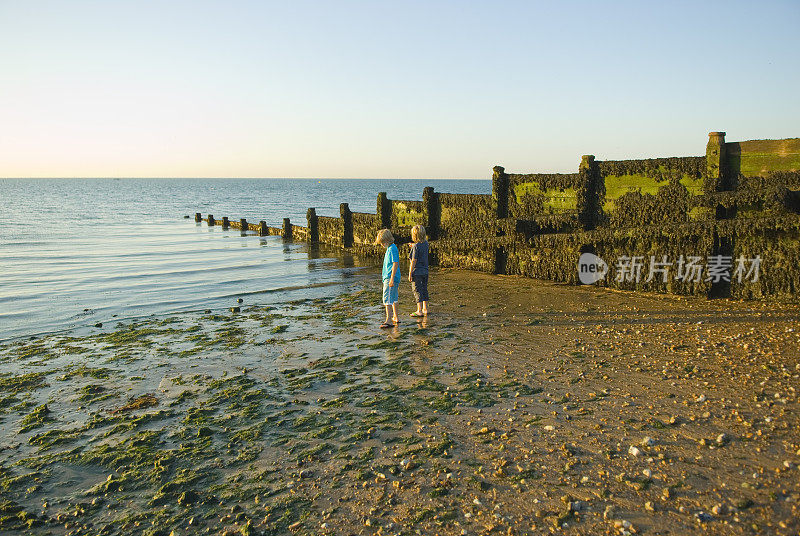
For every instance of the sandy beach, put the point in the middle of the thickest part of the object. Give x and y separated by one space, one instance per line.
518 407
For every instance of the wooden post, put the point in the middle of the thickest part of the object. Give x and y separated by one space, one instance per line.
211 221
313 225
433 211
347 221
715 162
287 230
588 200
198 217
243 225
262 229
225 222
500 192
384 210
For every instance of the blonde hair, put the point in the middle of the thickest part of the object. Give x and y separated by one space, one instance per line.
418 233
384 237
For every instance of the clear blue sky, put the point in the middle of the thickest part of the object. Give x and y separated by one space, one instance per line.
384 89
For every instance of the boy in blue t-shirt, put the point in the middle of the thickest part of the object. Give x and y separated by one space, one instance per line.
391 276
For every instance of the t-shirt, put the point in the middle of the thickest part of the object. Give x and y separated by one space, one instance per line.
419 251
391 256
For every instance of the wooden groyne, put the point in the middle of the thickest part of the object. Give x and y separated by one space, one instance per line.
735 207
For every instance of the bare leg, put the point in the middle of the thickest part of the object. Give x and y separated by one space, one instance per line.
424 307
388 313
394 310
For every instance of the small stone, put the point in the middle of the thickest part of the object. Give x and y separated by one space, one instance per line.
649 506
576 506
648 441
99 325
703 517
648 473
235 309
722 439
666 494
608 512
719 510
633 451
550 428
701 399
239 300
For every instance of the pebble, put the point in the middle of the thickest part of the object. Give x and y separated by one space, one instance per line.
648 441
634 451
719 509
550 428
649 506
701 399
722 439
608 512
702 517
623 524
648 473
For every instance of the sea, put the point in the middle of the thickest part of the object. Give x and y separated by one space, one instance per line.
77 253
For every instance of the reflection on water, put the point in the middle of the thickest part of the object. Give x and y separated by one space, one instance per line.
154 269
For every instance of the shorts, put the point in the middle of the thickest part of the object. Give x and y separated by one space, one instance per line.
419 284
389 293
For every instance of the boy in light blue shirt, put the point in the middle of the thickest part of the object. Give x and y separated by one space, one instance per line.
391 276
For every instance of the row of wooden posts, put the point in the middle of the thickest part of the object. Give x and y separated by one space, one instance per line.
262 228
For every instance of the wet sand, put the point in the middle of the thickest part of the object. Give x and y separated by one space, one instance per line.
518 407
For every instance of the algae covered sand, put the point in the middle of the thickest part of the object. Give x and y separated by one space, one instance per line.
518 408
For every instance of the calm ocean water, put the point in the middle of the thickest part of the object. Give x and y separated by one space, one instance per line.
74 252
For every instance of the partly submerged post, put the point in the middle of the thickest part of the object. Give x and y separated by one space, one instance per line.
211 221
347 223
262 228
287 229
225 222
198 217
243 225
313 225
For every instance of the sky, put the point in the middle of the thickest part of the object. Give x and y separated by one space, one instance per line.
384 89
